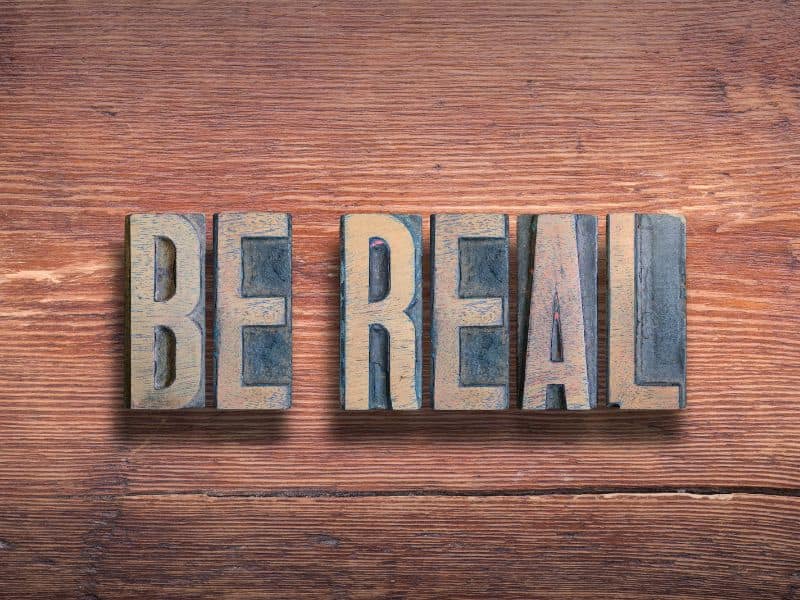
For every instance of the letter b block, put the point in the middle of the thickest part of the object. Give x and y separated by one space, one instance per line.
381 312
165 256
470 311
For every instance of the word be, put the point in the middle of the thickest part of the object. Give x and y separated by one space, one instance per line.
381 311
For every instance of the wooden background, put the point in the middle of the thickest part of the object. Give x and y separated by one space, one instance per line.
322 108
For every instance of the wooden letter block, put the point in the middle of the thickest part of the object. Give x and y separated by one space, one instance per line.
166 310
253 329
646 311
470 311
557 311
381 312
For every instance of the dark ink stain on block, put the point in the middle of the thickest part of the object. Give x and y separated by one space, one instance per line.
379 283
379 265
342 310
586 230
556 397
164 285
267 273
414 309
379 395
266 355
483 267
661 301
484 356
165 276
556 341
526 237
163 357
266 267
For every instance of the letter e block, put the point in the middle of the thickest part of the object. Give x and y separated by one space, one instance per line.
470 311
253 329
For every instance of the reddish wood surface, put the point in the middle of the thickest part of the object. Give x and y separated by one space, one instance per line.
616 546
320 109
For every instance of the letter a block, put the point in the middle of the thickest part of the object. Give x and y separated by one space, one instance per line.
646 311
253 330
470 311
557 311
165 256
381 312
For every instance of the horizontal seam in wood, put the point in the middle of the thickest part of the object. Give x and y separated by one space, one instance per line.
578 491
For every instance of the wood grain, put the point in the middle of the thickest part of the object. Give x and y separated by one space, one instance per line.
739 546
325 109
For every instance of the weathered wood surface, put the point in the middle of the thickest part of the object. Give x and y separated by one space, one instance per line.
469 324
321 110
380 312
646 311
253 318
593 546
557 311
165 311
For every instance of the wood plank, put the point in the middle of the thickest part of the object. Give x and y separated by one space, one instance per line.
557 311
165 312
253 325
469 329
381 312
520 108
616 546
647 311
514 108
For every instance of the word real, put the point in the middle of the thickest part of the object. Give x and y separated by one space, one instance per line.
381 311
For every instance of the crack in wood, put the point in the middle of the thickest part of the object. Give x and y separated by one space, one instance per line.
466 493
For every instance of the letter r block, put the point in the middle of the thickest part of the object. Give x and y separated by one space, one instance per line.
381 312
